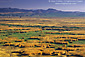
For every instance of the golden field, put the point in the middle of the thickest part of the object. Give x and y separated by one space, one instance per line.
42 37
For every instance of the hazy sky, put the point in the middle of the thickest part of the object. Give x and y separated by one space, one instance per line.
43 4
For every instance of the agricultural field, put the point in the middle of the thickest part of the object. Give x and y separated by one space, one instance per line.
42 37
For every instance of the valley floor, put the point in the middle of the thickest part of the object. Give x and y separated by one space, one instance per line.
42 37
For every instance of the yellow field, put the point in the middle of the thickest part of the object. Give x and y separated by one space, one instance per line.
42 37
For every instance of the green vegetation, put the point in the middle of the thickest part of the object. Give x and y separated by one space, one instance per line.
43 37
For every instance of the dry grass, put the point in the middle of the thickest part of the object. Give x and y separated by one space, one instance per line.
42 37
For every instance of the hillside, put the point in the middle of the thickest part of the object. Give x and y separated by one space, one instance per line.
38 13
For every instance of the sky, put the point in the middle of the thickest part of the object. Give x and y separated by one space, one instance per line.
63 5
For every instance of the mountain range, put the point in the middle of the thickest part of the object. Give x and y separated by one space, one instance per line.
39 13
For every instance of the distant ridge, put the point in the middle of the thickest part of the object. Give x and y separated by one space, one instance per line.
39 13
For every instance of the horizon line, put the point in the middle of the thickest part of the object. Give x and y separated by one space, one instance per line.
46 9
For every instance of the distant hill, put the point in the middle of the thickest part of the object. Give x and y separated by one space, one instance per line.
39 13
